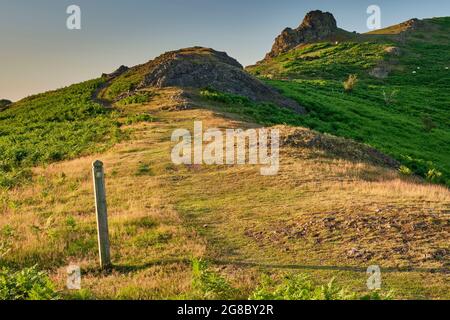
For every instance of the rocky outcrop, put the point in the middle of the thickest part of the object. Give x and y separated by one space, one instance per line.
411 25
4 103
335 146
316 26
203 67
122 69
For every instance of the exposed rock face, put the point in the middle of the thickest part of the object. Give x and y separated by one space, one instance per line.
411 25
316 26
118 72
4 103
202 67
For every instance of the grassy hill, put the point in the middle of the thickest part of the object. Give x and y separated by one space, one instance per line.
208 232
324 215
54 126
404 114
4 103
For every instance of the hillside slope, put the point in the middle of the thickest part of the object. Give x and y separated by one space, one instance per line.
53 126
331 212
401 102
336 207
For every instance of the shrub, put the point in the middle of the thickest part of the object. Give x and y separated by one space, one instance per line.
209 284
27 284
298 287
350 83
144 170
404 170
4 103
138 98
389 97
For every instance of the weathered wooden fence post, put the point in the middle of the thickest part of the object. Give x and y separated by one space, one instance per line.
102 214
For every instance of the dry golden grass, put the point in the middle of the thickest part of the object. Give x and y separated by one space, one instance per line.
306 219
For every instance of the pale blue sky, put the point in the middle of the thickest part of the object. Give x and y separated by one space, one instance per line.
38 53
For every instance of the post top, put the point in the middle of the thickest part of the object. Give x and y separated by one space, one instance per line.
97 164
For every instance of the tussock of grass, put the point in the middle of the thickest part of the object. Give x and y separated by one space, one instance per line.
27 284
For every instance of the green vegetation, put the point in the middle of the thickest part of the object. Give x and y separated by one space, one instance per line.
262 113
53 126
123 84
4 103
300 287
211 285
27 284
350 83
397 129
323 60
404 115
138 98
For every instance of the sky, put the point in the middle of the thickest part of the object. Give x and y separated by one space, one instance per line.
38 52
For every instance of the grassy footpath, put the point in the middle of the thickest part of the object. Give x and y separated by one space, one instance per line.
162 216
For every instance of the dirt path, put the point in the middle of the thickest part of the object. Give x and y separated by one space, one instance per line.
95 96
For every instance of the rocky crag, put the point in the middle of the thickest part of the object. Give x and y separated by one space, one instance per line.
316 26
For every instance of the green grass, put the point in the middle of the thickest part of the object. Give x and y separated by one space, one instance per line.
138 98
53 126
324 60
397 129
4 103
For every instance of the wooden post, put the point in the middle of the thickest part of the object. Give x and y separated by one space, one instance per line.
102 214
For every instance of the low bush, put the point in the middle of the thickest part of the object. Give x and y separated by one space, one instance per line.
26 284
350 83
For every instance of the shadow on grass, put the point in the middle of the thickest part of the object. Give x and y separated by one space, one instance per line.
443 270
124 269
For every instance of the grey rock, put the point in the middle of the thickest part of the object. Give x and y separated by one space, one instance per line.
4 103
200 67
122 69
316 26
